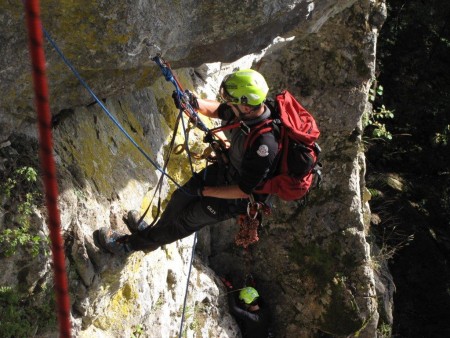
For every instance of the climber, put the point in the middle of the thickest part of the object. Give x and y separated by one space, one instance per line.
220 191
252 314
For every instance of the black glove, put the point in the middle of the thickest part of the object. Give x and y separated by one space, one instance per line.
188 97
176 99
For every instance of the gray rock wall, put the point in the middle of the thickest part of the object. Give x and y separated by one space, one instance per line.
111 46
312 263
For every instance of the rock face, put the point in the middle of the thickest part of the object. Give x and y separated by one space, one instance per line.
111 46
312 263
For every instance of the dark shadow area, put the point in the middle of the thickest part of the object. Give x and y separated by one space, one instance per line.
414 64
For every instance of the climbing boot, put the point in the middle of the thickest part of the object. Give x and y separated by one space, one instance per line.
113 241
132 221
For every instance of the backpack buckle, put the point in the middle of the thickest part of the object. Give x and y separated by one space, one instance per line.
317 148
317 170
245 128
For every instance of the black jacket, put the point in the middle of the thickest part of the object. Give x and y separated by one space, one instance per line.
252 324
250 166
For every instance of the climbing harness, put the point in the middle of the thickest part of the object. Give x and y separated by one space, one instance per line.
34 26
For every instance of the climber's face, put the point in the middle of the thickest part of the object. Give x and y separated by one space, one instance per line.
245 112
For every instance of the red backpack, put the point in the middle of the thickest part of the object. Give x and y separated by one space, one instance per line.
297 165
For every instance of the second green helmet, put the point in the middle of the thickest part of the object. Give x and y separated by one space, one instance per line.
248 295
245 86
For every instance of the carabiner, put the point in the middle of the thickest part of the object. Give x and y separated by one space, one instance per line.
251 209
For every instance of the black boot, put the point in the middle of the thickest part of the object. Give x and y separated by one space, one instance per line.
113 241
132 221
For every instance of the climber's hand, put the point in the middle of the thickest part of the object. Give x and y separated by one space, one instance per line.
188 97
191 98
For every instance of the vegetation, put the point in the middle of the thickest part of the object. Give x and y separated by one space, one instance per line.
138 331
376 117
20 196
414 59
22 315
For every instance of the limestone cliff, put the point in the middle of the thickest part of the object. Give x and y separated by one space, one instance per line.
313 263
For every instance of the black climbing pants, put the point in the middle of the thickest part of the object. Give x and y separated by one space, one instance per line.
187 213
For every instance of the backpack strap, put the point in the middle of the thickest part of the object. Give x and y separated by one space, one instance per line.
262 128
241 124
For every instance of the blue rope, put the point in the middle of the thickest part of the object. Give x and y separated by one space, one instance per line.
187 285
100 103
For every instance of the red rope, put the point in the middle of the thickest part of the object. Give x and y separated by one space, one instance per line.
48 163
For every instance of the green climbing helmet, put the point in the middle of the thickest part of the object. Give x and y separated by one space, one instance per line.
248 295
245 86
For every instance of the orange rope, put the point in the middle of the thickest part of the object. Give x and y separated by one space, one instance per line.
48 162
